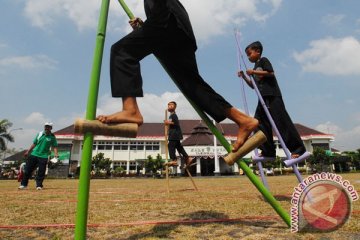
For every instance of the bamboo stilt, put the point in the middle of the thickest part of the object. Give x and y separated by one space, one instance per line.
96 127
253 142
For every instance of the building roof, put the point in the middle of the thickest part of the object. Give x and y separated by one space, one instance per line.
17 157
200 136
187 127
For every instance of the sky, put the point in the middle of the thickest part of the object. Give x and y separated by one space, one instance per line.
46 55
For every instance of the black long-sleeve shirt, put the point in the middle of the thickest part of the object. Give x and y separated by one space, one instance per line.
159 12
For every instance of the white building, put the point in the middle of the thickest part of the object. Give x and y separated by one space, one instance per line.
198 143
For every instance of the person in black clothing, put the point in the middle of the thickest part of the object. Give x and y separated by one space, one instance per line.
167 33
175 136
266 82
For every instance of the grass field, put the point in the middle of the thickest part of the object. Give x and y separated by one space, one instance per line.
130 208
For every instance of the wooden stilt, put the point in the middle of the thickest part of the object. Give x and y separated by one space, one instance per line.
96 127
166 154
192 180
253 142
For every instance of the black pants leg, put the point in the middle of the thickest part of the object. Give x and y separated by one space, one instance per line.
176 145
268 149
286 126
31 165
181 150
175 51
283 123
42 162
182 67
172 147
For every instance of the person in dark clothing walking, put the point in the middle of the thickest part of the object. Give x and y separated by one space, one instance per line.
167 33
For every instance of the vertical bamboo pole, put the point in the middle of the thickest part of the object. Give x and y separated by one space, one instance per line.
84 181
166 154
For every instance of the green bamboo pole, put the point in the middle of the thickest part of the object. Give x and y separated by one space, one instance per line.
126 9
247 170
84 182
258 184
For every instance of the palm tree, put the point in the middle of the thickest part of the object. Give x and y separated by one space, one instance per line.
5 136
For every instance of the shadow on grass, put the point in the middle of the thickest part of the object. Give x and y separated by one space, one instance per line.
283 197
165 230
280 198
187 190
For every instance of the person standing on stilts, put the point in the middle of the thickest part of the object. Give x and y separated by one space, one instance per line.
167 33
266 82
175 136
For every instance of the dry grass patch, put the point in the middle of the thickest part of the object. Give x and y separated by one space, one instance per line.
117 202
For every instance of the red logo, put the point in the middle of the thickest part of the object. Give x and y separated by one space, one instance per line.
325 206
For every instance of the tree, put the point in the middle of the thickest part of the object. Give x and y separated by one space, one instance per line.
153 165
101 164
320 160
5 136
354 158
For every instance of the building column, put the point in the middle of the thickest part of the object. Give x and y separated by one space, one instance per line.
217 166
178 168
127 162
198 167
80 153
216 160
236 168
112 155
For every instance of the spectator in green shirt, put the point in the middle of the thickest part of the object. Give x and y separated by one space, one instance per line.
37 156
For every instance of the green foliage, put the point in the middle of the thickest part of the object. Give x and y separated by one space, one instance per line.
101 164
319 160
119 170
4 135
354 158
273 164
153 165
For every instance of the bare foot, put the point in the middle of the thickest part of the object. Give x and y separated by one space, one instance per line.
124 116
171 164
189 160
245 129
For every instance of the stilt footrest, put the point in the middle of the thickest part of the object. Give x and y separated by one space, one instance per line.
128 130
253 142
291 162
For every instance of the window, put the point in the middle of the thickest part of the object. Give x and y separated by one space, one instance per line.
136 146
324 146
102 145
121 146
132 166
152 146
119 164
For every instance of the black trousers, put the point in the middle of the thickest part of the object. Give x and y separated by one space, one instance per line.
176 53
31 164
176 145
283 123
